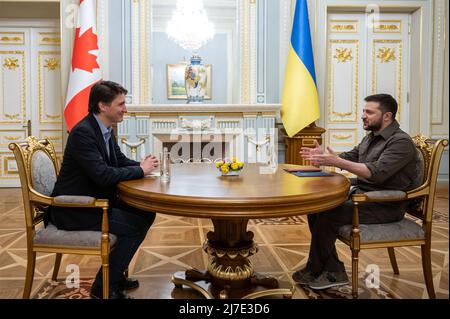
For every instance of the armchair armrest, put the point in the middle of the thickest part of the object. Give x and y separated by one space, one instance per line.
380 196
73 200
79 201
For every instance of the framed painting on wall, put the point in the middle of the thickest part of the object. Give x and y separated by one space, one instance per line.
176 89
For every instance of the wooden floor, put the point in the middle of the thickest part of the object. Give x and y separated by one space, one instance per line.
174 244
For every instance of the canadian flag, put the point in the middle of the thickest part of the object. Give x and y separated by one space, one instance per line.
85 71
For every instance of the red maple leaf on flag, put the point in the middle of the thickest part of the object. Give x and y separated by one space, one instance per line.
81 58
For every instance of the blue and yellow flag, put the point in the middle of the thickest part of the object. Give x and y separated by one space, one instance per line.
300 102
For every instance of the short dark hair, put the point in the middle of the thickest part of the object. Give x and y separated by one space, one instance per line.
387 103
104 91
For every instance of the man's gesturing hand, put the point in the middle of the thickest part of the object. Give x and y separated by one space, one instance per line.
308 151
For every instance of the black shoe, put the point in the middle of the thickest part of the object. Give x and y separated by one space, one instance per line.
129 284
97 293
303 276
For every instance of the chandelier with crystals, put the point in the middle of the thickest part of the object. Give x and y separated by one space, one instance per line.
189 26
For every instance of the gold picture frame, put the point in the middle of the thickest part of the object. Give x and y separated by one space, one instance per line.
176 84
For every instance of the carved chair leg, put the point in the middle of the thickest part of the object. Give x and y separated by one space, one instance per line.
355 273
427 272
105 276
393 260
56 268
31 262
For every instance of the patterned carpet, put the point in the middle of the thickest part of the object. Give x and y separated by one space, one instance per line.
58 290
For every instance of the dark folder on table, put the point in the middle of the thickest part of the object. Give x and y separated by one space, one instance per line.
307 171
311 174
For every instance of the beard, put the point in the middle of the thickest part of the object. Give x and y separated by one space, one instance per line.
375 126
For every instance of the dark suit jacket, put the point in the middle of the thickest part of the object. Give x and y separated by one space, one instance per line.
88 170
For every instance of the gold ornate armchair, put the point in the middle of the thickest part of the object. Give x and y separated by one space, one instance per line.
38 170
405 232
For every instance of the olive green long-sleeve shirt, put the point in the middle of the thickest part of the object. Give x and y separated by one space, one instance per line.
391 158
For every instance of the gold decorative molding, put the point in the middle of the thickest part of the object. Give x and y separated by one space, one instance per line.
344 26
340 27
52 64
343 54
11 63
387 26
53 116
236 273
49 38
386 55
6 171
11 116
12 38
341 137
13 138
342 114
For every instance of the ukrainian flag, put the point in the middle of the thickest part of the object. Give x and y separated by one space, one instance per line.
300 102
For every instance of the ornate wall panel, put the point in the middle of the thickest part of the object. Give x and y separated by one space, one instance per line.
49 73
13 87
387 69
343 80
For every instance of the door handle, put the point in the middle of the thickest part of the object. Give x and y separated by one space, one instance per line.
28 126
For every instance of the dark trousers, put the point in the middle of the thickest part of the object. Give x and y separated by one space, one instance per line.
130 225
325 226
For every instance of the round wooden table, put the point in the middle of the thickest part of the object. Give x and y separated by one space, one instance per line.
199 191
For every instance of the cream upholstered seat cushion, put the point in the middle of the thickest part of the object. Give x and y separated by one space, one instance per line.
43 173
53 236
405 229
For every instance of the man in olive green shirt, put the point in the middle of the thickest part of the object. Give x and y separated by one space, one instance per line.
385 159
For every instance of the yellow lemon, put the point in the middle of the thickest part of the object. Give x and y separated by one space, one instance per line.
225 169
235 166
218 164
240 164
234 159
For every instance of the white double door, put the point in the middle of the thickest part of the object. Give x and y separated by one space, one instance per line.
30 90
367 54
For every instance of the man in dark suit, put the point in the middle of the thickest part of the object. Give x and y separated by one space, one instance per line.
93 165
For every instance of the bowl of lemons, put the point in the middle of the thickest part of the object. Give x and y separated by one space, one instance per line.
229 167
